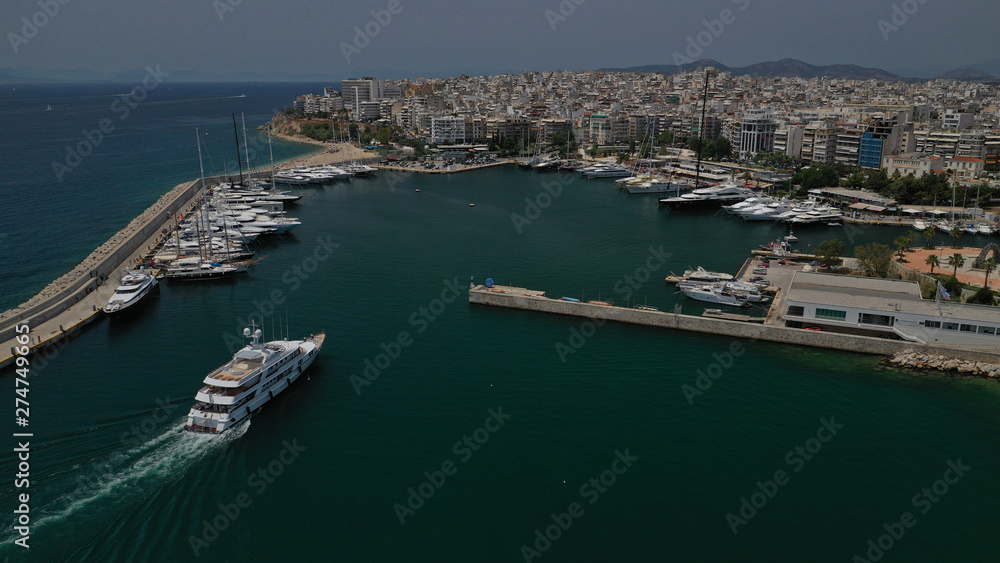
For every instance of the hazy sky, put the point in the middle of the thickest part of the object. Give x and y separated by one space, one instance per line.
450 37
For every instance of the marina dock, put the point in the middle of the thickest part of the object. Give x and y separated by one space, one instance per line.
771 331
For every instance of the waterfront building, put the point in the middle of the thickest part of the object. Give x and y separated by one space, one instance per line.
887 309
915 165
965 167
356 90
819 143
856 199
788 140
449 130
756 133
848 145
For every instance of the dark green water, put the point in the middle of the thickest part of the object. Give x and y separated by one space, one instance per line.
115 480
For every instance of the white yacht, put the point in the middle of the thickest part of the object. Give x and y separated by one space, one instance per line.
132 291
702 275
254 376
718 295
919 225
816 217
608 171
198 270
767 212
747 204
714 196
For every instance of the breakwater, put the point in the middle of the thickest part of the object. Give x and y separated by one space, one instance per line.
57 300
520 298
911 359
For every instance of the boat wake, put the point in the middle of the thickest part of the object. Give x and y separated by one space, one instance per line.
132 475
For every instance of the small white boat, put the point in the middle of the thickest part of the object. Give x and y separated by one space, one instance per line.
919 225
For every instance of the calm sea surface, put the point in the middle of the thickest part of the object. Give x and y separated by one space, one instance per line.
490 428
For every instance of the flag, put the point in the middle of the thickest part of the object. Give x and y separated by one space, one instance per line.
944 292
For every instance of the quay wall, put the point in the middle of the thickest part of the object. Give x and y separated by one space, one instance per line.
104 261
721 327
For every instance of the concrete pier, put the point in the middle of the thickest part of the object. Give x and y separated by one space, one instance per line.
76 298
532 300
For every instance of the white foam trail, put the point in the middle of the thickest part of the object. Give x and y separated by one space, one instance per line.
147 467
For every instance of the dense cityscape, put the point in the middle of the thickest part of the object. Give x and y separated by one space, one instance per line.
914 128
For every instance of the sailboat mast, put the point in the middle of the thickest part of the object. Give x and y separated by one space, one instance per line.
238 161
701 131
204 196
271 152
245 148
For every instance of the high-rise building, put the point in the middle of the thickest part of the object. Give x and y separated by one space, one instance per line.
756 133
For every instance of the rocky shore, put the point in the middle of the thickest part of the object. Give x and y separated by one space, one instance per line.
911 359
85 268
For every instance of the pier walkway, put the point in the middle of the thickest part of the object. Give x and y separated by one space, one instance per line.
531 300
76 298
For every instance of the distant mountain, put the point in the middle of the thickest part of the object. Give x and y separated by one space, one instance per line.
968 74
785 68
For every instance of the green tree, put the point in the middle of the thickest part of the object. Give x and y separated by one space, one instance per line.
384 136
955 234
901 243
830 251
956 261
989 266
982 297
928 235
874 259
723 149
933 261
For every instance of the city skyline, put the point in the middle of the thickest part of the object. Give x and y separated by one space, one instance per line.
396 38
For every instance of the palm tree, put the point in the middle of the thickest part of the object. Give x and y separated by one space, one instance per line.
956 261
932 261
956 233
989 266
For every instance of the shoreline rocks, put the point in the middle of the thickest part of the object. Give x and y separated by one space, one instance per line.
913 360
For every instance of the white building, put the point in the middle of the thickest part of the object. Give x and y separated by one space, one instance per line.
915 165
954 119
756 133
887 308
448 130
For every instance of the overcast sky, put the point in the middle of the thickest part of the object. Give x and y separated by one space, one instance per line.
448 37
